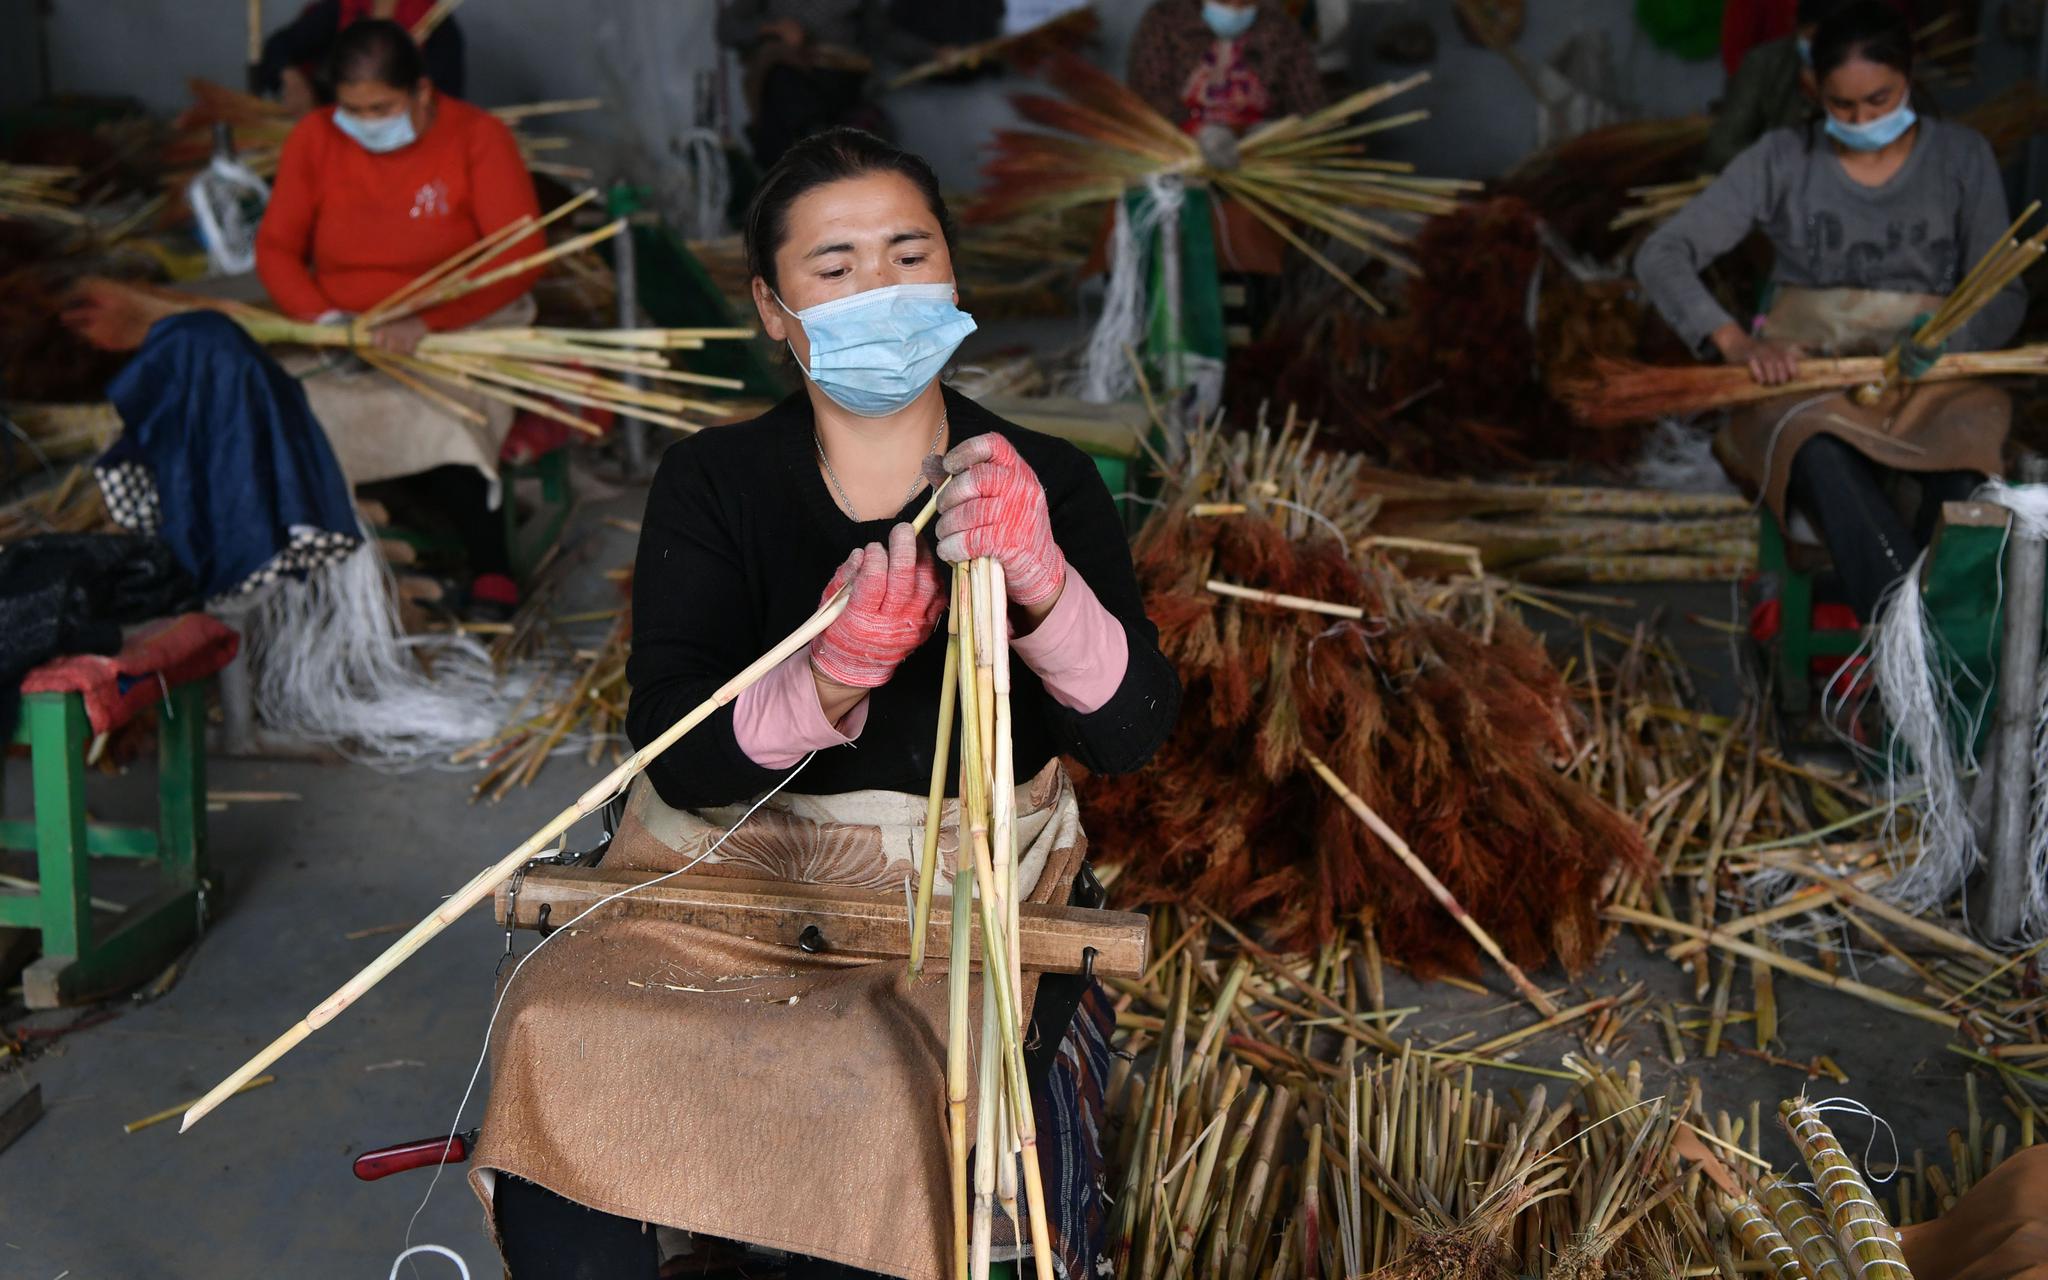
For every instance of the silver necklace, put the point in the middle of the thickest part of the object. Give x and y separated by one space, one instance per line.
840 489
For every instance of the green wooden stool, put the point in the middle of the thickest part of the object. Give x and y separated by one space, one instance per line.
1798 643
81 959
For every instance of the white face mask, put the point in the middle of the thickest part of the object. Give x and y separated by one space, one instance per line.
874 352
386 133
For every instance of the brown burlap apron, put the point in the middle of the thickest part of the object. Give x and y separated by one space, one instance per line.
1950 426
740 1089
380 430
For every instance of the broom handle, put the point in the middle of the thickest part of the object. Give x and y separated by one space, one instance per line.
255 34
1529 990
484 882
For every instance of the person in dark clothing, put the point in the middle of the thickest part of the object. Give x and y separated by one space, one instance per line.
850 248
295 55
807 63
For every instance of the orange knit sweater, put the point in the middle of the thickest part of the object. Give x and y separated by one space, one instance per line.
346 228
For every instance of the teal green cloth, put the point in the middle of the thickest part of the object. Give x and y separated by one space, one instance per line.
1689 28
1201 291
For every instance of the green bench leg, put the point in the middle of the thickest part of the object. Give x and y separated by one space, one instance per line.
77 965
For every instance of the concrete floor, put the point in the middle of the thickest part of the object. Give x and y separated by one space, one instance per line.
263 1186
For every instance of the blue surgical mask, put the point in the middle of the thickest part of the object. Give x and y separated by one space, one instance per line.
386 133
1228 21
1805 51
875 352
1873 135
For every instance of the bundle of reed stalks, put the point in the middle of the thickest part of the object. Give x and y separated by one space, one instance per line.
539 370
1021 50
1578 186
1278 1118
1298 173
40 191
1004 1134
1299 641
70 505
1621 393
2001 265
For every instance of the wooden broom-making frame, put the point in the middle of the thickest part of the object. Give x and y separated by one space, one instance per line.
536 369
480 886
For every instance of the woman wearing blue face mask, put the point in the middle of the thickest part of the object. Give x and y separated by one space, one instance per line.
391 181
799 1114
1875 213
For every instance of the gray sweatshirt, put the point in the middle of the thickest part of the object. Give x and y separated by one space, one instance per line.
1919 232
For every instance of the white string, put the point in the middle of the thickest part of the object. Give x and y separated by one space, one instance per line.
1106 374
443 1250
455 1127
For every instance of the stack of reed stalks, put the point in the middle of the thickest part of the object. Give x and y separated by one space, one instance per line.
534 369
1300 173
1278 1119
40 191
71 505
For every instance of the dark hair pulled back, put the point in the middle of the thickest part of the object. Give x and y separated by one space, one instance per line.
378 51
1866 29
832 155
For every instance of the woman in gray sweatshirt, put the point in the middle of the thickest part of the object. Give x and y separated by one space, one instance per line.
1875 214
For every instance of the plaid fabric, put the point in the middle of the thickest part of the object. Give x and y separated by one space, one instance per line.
1070 1105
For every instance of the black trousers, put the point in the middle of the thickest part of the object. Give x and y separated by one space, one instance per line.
452 500
1846 494
544 1236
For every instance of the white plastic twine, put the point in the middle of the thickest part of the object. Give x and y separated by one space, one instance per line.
332 664
442 1250
215 194
702 153
1106 374
1809 1114
455 1126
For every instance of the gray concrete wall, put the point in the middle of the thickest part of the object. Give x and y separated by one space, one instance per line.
20 73
644 57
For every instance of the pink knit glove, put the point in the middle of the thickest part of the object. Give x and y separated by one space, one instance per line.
896 603
995 507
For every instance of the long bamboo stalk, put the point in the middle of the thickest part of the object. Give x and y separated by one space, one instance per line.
484 882
935 800
1530 991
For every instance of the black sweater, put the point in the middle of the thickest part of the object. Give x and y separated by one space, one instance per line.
741 537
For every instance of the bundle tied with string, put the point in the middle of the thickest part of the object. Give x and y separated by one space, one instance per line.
1442 711
1933 712
1106 373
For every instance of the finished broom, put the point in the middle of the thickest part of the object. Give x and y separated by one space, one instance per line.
1022 50
1621 393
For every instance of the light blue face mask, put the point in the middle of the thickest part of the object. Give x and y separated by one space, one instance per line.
875 352
1873 135
1805 47
386 133
1228 21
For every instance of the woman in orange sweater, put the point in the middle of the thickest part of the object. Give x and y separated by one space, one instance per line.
388 183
